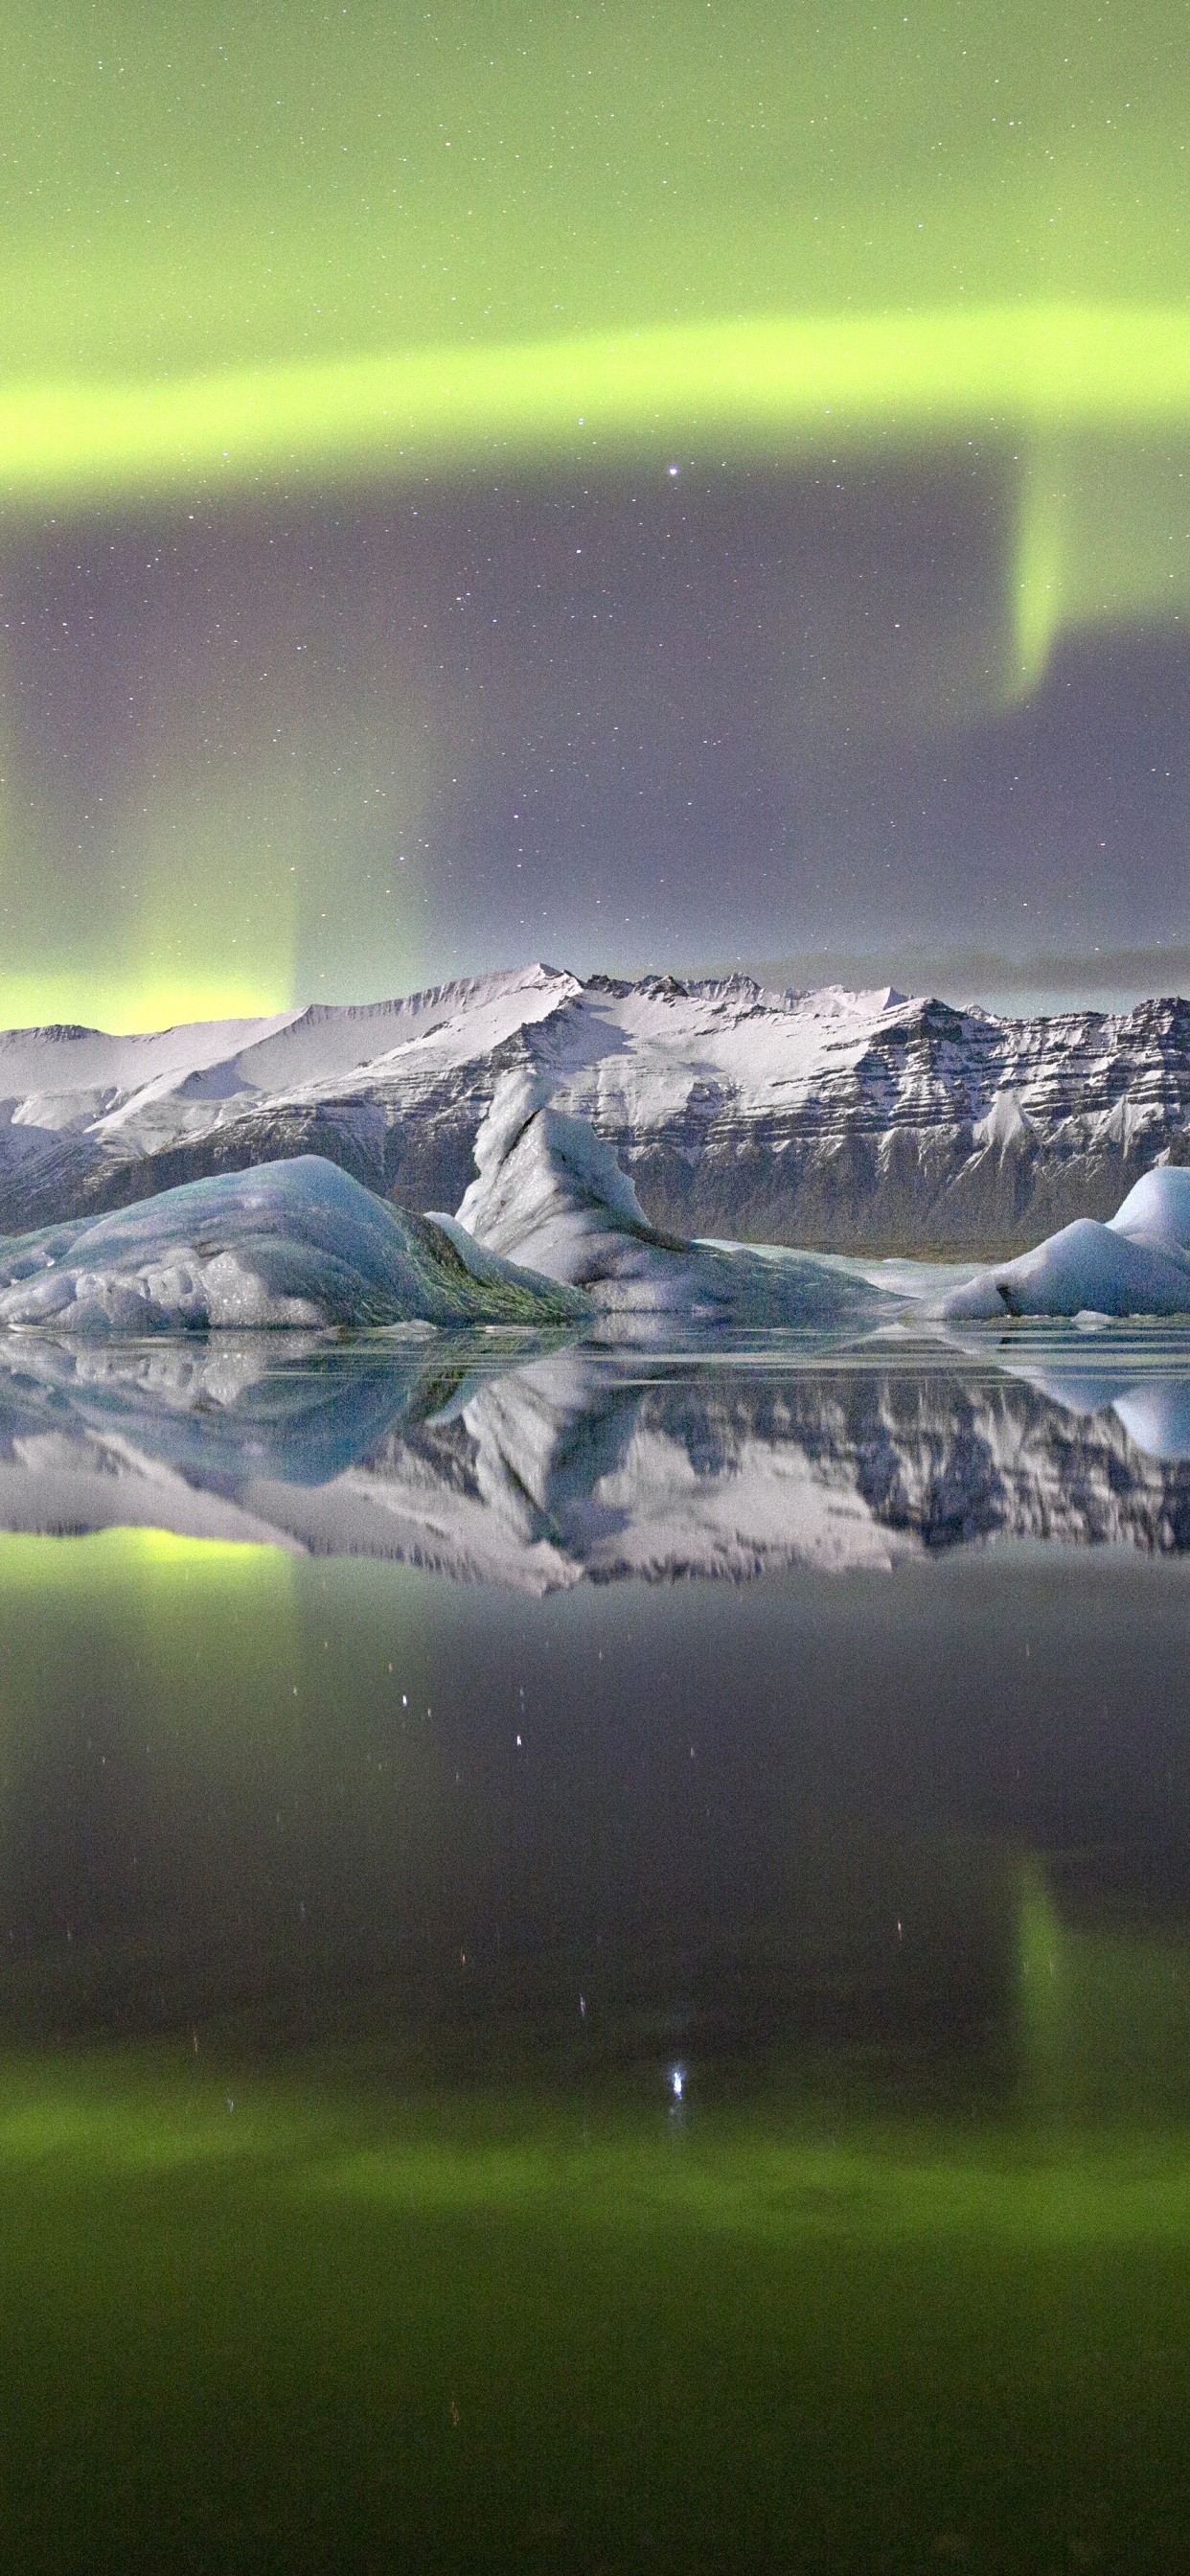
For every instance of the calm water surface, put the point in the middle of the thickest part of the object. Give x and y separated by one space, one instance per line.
595 1956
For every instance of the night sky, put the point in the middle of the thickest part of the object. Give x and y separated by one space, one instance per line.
636 486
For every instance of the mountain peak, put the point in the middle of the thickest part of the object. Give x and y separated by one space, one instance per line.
828 1119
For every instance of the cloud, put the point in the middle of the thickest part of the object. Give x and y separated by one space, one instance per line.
1099 978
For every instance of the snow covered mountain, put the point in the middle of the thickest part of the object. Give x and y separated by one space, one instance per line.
852 1122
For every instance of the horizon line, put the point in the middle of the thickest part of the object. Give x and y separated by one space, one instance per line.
923 971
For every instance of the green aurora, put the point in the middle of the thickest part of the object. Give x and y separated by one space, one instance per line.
352 239
335 245
1044 376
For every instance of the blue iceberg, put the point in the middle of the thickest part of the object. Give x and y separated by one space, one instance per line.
290 1245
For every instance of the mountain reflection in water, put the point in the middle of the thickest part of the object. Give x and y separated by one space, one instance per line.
537 1465
546 2071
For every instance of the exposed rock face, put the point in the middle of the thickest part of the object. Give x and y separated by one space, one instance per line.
846 1122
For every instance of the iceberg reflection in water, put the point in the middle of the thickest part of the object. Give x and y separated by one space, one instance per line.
513 2065
527 1462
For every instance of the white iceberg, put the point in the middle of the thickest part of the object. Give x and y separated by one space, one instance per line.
287 1245
550 1193
1157 1209
1137 1264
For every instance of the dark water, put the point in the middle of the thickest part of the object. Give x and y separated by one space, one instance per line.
612 1992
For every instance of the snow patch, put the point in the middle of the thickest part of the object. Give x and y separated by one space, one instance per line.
1004 1124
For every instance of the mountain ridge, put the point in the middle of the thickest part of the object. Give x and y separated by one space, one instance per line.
849 1122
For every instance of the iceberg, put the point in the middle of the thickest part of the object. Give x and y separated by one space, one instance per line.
290 1245
1136 1264
550 1192
1157 1209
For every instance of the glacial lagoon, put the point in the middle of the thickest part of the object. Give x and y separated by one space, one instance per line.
596 1951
